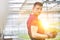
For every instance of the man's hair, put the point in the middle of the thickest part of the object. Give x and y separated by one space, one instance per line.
38 3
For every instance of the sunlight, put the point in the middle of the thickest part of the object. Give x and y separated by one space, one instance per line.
44 22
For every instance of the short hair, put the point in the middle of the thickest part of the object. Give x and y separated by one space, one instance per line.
38 3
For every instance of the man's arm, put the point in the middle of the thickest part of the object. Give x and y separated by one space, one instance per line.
34 33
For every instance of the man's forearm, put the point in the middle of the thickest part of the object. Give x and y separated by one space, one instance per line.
37 35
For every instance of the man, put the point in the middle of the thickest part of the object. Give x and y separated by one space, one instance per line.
35 29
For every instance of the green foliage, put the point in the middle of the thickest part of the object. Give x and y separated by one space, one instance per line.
24 36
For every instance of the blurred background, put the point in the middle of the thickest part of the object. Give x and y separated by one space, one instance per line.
14 15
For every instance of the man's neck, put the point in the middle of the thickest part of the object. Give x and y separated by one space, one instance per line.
35 14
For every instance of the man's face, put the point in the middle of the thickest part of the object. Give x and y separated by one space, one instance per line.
37 9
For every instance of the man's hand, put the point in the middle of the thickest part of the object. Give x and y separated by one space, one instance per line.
52 34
